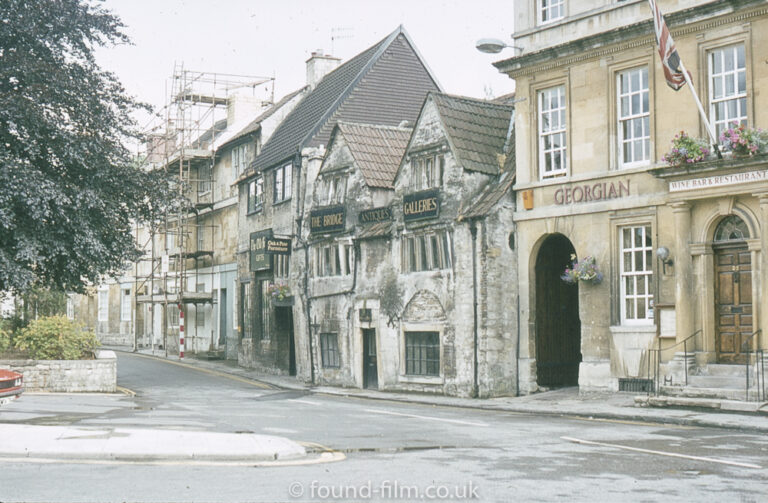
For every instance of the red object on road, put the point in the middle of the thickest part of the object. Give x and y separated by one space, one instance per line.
11 386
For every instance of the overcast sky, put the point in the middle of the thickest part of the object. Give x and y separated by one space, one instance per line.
275 38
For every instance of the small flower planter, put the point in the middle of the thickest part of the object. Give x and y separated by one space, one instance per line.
744 141
584 271
284 302
686 150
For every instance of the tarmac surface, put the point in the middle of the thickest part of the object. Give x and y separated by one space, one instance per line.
126 444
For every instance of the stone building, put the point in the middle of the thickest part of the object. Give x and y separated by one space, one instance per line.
683 251
384 84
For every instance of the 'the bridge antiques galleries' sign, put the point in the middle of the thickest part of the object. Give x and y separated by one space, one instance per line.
330 219
375 215
278 246
419 205
592 192
260 259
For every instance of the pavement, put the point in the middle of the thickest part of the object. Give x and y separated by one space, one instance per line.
88 444
744 416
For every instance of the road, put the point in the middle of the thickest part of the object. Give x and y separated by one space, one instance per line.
394 451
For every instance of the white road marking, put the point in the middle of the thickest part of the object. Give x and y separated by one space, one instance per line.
278 430
663 453
428 418
308 402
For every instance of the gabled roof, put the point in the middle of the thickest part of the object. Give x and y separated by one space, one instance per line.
384 84
377 150
477 130
492 194
255 124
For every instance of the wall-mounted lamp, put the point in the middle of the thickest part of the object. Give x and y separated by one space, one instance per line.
663 253
494 46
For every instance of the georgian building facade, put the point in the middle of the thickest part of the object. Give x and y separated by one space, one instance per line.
683 250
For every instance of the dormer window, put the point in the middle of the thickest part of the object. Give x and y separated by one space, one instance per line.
335 189
427 171
551 10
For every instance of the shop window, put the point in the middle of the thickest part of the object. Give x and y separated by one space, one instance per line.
103 305
427 252
727 87
282 186
255 194
636 257
422 353
334 259
329 350
427 171
125 304
633 117
551 10
552 132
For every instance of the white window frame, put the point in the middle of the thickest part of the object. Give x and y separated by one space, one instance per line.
204 178
255 194
633 109
420 254
281 265
239 159
70 307
103 304
334 259
546 111
335 189
628 272
719 95
200 237
125 304
427 171
282 187
550 11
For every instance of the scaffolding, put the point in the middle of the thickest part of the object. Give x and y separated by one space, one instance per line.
179 246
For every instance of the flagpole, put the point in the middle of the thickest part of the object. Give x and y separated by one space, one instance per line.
701 110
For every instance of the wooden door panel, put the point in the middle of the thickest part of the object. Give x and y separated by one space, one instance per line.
733 302
725 290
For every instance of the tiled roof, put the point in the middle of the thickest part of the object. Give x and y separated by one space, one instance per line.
477 130
493 192
384 84
377 150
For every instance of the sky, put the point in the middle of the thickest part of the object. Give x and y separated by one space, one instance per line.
274 38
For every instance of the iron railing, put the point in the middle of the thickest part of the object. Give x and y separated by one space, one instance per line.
654 361
746 347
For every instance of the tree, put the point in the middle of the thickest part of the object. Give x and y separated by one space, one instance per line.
69 188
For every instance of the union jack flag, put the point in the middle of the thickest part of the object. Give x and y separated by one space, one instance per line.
670 60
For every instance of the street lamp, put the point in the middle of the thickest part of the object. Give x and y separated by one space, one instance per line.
494 46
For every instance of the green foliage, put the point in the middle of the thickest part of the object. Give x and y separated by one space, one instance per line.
56 338
69 188
5 339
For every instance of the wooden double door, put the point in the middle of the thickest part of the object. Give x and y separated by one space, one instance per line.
733 301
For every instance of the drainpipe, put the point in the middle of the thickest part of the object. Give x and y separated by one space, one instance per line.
475 382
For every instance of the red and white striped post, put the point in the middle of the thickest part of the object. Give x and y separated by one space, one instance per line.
181 333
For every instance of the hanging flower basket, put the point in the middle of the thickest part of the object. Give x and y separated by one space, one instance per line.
686 150
744 141
280 294
584 270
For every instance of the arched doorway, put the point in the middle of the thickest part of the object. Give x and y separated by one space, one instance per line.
558 328
733 289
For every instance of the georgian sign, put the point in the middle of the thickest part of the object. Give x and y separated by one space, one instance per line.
592 192
420 205
375 215
330 219
260 259
718 181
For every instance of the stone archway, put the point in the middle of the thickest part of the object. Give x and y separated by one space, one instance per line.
558 328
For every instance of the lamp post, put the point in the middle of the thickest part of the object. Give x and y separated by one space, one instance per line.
494 46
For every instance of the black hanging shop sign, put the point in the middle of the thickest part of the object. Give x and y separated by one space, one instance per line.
375 215
420 205
260 259
330 219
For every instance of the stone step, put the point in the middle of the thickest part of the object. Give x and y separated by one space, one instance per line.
709 381
709 393
720 369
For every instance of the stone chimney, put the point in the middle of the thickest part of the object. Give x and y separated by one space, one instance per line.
318 66
241 107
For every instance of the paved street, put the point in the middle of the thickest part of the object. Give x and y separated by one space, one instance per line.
386 451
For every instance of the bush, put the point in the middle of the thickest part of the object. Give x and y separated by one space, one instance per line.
56 338
5 340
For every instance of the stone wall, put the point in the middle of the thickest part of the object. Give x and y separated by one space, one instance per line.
68 376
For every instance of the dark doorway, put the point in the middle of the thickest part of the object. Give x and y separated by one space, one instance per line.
223 311
370 365
284 327
558 328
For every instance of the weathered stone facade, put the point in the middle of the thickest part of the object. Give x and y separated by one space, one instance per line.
68 376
